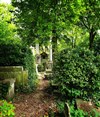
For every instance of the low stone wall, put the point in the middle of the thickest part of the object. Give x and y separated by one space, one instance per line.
15 76
11 68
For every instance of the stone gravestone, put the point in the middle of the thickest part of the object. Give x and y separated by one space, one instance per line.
11 75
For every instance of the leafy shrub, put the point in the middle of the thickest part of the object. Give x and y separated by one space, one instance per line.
6 109
80 113
60 106
11 54
41 68
77 74
94 113
30 66
77 112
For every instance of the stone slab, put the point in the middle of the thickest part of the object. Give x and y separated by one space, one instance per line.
11 68
9 75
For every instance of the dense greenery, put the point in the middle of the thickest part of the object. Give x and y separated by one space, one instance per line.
7 27
30 66
6 109
80 113
76 72
13 52
17 54
47 19
97 46
68 24
10 47
89 19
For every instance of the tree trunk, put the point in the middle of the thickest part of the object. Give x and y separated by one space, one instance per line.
92 34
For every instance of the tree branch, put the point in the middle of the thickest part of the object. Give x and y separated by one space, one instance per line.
83 22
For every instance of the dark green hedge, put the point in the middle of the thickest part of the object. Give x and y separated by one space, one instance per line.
77 74
12 54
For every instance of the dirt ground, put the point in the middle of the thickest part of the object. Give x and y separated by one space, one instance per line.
35 104
40 102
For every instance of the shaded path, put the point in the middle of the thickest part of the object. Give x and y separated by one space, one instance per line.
35 104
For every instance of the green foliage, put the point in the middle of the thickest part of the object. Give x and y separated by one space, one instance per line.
89 19
30 66
60 106
7 27
77 112
45 21
80 113
18 54
94 113
11 49
6 109
77 74
27 60
11 54
97 46
41 68
4 89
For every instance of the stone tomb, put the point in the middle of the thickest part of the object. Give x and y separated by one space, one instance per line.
12 75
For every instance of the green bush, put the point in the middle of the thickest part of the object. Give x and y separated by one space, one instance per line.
80 113
12 54
77 112
76 72
6 109
41 68
30 66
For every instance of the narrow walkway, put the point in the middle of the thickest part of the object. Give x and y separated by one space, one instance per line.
35 104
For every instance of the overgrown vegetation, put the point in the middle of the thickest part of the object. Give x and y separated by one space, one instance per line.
13 51
80 113
30 66
12 54
76 71
77 74
6 109
19 55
